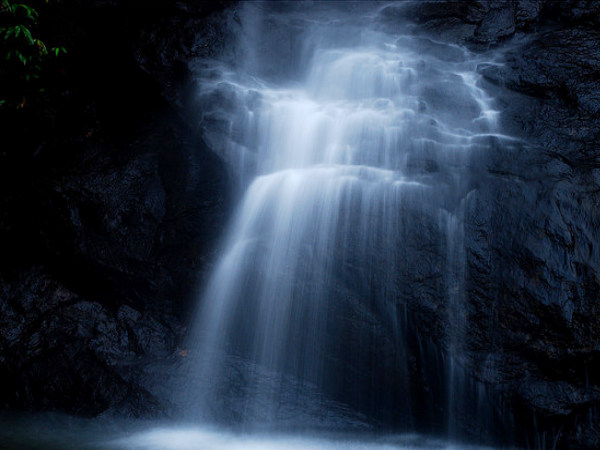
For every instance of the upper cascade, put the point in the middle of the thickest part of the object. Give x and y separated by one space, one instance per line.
381 102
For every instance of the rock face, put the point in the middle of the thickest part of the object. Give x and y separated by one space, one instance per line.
109 219
533 267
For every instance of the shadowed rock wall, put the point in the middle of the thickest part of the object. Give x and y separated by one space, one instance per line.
110 211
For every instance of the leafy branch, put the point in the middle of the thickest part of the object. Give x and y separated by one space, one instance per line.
24 55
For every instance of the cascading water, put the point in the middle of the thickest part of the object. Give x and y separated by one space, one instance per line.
354 161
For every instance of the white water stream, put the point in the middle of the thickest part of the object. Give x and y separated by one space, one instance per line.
367 139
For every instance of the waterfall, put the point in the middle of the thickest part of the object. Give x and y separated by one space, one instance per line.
352 148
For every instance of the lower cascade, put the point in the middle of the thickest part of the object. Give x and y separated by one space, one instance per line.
338 298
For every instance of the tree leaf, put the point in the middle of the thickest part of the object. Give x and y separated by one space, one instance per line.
41 47
27 34
30 13
58 50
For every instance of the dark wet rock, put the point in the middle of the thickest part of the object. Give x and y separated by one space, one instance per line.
109 220
532 220
59 350
423 12
165 47
485 23
527 11
533 260
497 24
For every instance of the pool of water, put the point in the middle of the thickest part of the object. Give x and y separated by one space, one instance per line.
49 431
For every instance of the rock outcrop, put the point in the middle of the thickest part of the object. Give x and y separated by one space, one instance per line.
532 221
111 209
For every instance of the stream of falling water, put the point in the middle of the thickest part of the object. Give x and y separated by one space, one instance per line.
357 146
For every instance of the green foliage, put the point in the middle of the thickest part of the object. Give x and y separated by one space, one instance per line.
23 55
